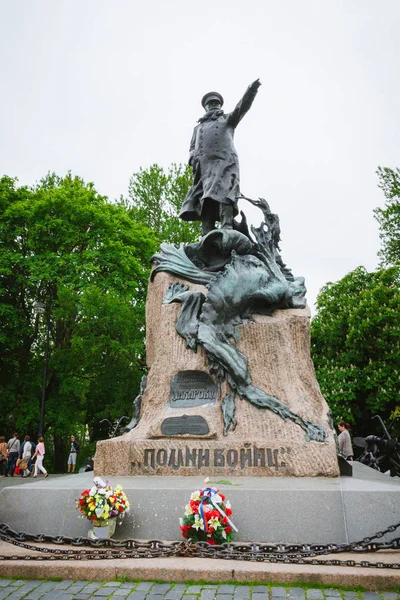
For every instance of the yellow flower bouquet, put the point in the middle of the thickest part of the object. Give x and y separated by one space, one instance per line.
101 502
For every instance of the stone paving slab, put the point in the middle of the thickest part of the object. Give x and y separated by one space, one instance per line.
67 589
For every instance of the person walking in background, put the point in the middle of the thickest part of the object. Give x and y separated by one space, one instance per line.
345 447
3 455
13 448
27 449
73 454
39 454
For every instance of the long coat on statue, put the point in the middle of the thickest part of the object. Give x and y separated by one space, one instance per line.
215 162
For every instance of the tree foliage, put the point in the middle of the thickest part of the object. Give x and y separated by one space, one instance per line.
356 345
84 258
87 261
155 199
389 216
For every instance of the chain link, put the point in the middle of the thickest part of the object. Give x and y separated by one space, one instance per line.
102 549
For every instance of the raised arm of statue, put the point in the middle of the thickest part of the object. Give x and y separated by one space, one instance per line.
244 104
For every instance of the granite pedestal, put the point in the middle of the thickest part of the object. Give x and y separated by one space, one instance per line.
262 443
297 510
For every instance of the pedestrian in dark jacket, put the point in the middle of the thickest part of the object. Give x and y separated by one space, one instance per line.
73 452
13 448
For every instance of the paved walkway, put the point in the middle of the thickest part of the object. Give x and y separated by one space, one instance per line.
18 480
149 590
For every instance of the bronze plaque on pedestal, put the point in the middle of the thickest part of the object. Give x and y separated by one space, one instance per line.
195 425
192 388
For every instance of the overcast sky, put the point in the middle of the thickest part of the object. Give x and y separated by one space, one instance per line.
102 88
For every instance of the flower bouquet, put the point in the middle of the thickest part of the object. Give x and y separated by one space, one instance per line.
102 505
206 517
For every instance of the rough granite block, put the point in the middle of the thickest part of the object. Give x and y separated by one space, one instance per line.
63 585
144 586
128 585
242 592
137 595
315 594
278 592
160 588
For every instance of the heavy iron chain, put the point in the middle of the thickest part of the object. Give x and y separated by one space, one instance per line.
274 553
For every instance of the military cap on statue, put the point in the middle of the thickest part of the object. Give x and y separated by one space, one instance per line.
211 96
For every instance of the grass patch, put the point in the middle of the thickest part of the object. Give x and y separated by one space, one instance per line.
189 582
224 482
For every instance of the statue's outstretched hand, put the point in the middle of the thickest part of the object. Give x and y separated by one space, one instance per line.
255 85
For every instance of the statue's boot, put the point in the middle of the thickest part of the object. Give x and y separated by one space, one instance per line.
226 216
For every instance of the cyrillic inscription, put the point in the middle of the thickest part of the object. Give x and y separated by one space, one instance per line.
243 458
195 425
192 388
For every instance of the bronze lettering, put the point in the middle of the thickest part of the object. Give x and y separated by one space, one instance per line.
245 456
204 458
176 465
191 457
258 456
232 458
219 458
171 461
162 457
149 452
273 460
192 388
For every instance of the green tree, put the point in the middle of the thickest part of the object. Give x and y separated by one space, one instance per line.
356 345
389 216
155 199
87 261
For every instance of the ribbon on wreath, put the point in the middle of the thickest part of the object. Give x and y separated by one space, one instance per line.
208 494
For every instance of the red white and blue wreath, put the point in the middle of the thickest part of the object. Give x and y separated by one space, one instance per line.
206 517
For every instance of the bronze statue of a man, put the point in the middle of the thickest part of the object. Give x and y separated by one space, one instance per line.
213 158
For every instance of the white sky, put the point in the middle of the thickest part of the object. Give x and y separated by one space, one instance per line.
102 88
